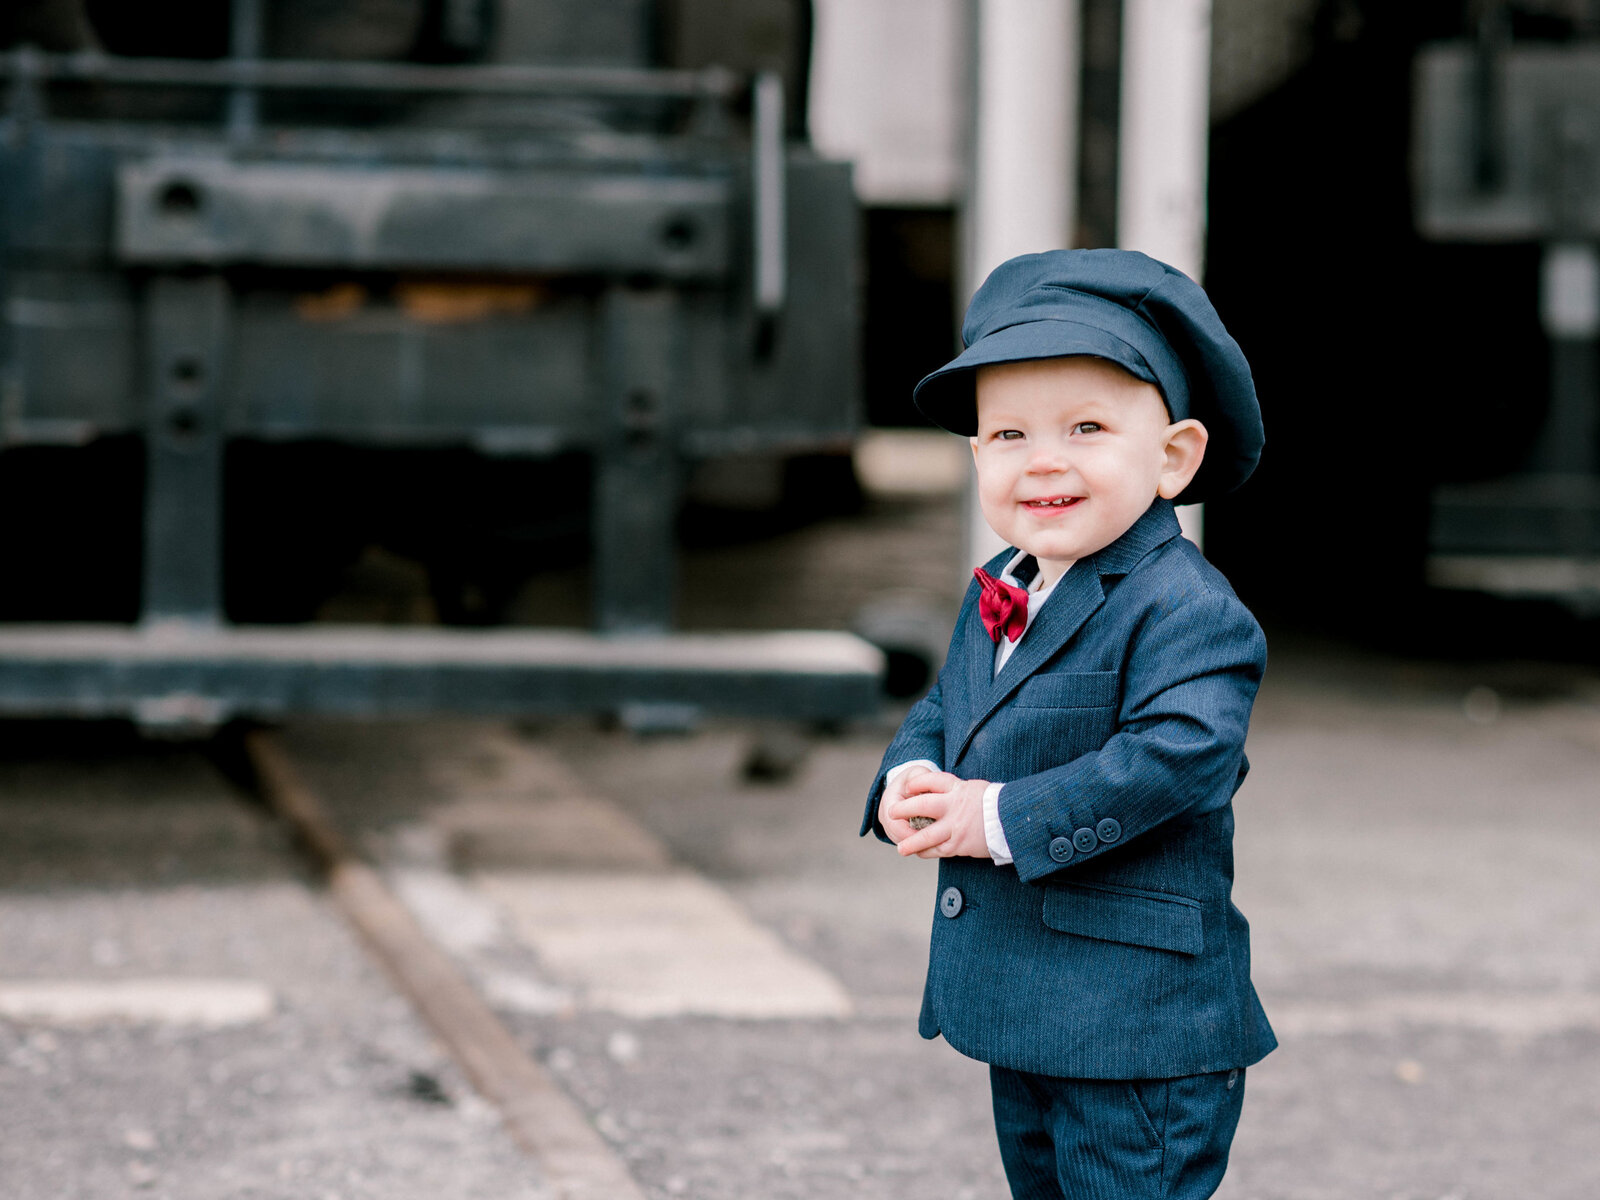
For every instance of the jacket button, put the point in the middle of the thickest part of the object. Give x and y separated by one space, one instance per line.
1108 830
1061 849
1084 839
950 901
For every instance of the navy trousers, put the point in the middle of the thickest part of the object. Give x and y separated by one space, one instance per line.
1099 1139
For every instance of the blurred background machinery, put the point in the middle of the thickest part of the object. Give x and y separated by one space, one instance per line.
1402 230
494 286
477 283
1388 204
1507 150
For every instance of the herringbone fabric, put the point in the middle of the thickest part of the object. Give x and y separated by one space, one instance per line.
1094 1139
1121 715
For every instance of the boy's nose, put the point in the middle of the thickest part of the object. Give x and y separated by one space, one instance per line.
1049 460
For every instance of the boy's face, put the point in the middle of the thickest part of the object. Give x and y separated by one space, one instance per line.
1071 452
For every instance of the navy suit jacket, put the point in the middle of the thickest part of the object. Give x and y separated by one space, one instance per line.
1110 948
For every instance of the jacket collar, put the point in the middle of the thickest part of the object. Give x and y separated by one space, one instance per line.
1158 526
1076 597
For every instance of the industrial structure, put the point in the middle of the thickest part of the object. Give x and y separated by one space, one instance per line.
283 280
484 283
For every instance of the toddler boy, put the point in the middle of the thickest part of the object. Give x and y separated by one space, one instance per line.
1073 768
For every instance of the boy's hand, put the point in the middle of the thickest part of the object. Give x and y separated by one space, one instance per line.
898 828
957 808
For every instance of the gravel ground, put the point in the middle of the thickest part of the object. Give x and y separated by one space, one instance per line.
792 1110
1419 869
1417 852
1418 856
126 862
703 1107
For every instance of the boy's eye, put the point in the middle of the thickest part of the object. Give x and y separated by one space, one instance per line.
1087 427
1009 435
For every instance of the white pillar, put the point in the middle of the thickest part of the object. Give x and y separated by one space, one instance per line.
1023 154
889 93
1161 170
1024 149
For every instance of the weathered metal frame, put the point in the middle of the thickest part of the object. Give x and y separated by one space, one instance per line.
658 222
179 677
186 339
28 65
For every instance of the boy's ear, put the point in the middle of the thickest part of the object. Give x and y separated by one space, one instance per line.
1181 453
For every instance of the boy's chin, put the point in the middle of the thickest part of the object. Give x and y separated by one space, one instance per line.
1082 538
1062 557
1064 550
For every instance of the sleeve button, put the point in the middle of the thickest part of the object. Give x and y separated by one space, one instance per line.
1060 849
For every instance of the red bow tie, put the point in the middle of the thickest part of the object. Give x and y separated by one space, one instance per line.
1004 608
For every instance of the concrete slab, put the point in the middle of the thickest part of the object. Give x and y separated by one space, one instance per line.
661 946
209 1003
558 833
518 846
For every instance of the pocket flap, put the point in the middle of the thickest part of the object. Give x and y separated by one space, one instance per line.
1138 918
1069 689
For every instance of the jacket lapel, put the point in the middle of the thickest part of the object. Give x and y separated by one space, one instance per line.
978 650
977 654
1075 599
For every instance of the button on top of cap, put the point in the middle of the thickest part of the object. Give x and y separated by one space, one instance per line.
1061 848
1085 839
950 902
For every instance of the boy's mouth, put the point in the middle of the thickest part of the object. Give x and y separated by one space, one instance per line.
1049 502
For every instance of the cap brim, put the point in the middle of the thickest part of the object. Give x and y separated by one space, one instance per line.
948 397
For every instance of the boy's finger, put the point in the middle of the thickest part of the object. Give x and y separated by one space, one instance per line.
886 806
922 806
923 839
930 781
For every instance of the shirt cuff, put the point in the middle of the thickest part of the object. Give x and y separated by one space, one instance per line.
993 832
902 768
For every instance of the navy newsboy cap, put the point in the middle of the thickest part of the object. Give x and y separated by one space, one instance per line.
1120 305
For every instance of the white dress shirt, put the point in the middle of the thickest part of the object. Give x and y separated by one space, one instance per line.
1038 592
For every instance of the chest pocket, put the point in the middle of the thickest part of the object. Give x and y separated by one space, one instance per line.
1052 719
1069 689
